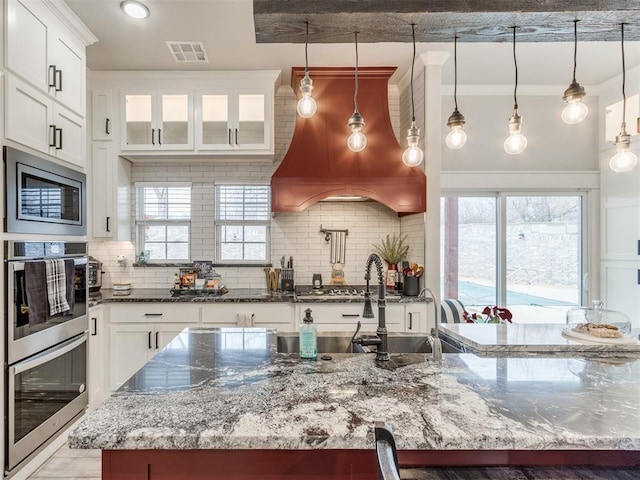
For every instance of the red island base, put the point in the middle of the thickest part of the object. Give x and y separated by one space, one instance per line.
327 464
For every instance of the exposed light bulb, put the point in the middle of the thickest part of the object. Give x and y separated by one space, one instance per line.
307 106
624 160
134 9
516 142
413 154
575 111
357 141
456 138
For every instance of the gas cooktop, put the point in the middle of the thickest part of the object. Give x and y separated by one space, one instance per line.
342 291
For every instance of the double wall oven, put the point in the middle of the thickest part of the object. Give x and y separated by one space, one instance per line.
46 354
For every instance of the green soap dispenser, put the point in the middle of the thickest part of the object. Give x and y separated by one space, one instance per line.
308 337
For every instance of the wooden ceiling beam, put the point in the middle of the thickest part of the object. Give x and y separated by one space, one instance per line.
334 21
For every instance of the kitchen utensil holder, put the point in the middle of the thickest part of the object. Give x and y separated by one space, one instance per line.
286 280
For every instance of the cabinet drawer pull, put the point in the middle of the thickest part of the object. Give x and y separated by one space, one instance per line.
157 335
153 136
410 321
52 76
159 136
350 315
108 224
229 136
236 136
58 80
150 347
95 326
107 127
52 135
59 137
153 314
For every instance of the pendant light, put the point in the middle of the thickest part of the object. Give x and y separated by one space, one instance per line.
307 106
456 138
516 142
575 111
624 160
357 140
413 155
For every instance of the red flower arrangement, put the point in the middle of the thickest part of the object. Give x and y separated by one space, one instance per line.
493 315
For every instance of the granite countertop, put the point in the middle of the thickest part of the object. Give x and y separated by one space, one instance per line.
229 389
494 338
236 295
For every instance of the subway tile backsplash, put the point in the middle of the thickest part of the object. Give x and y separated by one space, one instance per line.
292 234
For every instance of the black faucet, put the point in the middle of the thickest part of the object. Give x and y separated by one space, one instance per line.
381 340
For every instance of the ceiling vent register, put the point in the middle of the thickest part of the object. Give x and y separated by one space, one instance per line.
188 52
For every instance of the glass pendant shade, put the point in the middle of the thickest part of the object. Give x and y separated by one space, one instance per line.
516 142
413 154
307 106
624 160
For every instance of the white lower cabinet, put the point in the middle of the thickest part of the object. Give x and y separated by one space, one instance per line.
137 332
415 318
264 315
97 366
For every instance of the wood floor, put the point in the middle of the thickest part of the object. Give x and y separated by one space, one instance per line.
67 464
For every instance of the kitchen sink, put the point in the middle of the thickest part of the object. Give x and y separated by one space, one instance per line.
340 342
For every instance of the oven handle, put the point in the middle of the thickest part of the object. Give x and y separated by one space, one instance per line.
48 356
19 265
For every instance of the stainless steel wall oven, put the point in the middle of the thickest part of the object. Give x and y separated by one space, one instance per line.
46 342
43 197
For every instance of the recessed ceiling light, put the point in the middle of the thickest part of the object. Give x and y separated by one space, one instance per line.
134 9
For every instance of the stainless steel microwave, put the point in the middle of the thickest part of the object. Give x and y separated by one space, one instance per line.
43 197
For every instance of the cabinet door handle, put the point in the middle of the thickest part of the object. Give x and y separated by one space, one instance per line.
157 335
94 332
58 80
107 127
150 347
350 315
410 321
236 136
59 132
159 136
108 224
52 135
153 314
229 136
52 76
153 136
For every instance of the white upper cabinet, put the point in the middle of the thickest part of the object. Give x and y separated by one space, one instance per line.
101 115
44 54
157 120
235 120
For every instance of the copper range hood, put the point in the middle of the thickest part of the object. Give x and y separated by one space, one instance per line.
318 163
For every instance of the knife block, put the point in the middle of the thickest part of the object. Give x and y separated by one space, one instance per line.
286 280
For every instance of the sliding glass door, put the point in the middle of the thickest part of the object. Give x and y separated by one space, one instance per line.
519 251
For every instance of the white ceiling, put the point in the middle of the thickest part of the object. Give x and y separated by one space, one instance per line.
226 28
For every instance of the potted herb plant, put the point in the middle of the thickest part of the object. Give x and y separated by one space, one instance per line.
393 250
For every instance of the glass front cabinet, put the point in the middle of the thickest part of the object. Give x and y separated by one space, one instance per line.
235 120
157 120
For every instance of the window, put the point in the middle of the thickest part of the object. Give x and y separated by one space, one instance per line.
242 223
524 252
163 220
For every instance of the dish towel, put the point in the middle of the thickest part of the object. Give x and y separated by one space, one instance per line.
70 272
35 287
56 286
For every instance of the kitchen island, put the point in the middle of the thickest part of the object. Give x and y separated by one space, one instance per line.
224 400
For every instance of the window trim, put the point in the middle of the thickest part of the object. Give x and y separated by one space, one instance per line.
587 264
140 223
218 224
